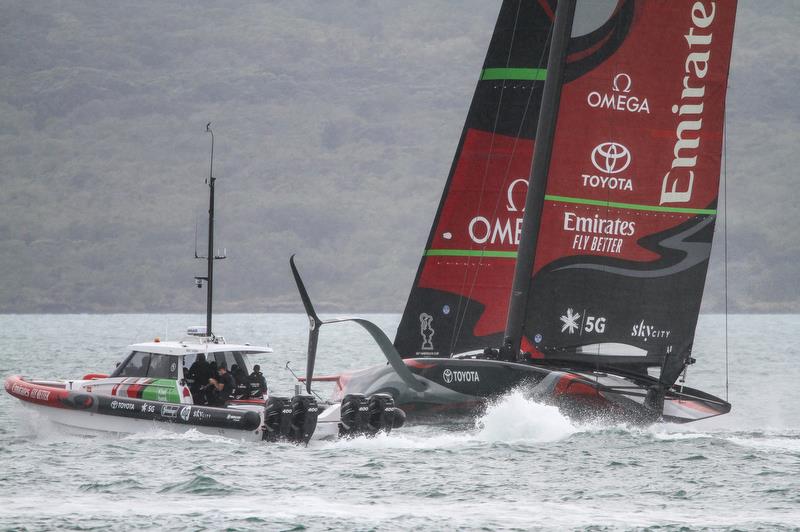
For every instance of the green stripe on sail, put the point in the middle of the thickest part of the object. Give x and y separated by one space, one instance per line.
470 253
527 74
629 206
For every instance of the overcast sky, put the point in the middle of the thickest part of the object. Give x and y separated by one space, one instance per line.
336 123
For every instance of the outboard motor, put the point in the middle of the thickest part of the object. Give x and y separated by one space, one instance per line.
290 420
277 419
362 415
304 418
354 414
383 415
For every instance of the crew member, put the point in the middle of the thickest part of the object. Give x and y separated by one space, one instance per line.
222 387
242 388
198 377
258 384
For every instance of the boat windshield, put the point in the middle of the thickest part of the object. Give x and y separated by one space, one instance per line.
231 359
153 365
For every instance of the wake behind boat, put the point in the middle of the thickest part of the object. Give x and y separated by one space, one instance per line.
569 252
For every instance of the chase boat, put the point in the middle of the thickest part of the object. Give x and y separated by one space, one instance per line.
152 387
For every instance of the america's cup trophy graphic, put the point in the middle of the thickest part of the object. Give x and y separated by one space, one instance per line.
426 330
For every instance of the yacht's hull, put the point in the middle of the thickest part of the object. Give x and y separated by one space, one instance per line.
90 413
464 386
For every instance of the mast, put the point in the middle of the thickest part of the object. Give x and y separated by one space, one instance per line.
534 202
210 256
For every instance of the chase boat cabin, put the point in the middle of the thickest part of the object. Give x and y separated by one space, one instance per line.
168 366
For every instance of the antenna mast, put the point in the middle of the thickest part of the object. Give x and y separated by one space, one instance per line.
210 256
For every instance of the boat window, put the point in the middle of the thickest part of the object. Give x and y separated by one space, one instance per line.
163 367
226 357
136 365
231 358
140 364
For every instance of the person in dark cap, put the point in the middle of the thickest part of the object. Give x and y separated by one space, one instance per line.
222 387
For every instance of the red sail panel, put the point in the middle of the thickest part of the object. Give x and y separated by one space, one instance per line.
632 190
473 249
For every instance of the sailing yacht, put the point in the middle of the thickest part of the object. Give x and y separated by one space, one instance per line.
569 252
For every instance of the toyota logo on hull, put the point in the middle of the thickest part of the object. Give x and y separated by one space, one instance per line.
611 157
450 376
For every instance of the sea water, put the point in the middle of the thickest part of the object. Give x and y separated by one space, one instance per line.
521 466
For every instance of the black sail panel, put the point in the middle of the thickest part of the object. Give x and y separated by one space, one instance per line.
460 295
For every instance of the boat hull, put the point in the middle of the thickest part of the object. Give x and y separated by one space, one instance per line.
87 423
89 413
464 386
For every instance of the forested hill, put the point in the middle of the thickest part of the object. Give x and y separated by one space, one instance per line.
335 126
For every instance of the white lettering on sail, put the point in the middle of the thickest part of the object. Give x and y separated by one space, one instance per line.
604 181
678 182
512 207
645 331
501 230
597 225
620 98
498 231
602 234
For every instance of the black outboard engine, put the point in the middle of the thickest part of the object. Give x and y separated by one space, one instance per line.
277 419
354 414
362 415
304 418
383 414
290 420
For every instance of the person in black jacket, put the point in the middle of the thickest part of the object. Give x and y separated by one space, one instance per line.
242 385
222 387
258 384
198 377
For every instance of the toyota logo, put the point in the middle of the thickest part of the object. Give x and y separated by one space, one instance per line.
610 157
447 375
